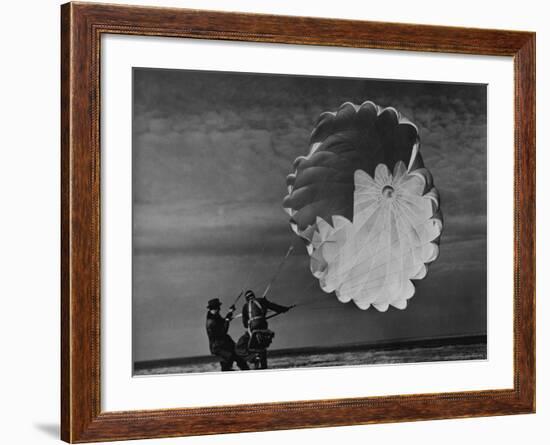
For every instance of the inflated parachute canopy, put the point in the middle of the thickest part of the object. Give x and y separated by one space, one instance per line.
365 205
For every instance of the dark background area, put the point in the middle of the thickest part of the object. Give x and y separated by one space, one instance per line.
211 151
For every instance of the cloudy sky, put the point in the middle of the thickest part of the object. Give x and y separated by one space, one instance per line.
211 151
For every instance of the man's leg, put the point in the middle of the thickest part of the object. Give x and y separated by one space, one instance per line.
263 359
226 366
241 363
226 361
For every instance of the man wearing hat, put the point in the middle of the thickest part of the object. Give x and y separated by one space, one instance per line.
221 344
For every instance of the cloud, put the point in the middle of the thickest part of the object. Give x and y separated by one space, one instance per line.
211 153
215 229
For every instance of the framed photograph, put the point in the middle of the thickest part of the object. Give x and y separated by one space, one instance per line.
275 222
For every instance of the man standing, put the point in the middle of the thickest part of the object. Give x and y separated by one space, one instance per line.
221 343
254 320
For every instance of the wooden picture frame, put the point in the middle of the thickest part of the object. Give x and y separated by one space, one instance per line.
82 25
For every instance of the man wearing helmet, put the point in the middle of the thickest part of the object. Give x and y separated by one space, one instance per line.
258 335
221 343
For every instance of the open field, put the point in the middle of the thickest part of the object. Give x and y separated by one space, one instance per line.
418 351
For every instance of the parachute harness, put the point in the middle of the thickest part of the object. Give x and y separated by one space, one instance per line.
250 318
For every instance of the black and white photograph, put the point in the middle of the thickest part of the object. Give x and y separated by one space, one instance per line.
291 221
288 222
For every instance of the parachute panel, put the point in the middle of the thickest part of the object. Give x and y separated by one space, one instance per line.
365 205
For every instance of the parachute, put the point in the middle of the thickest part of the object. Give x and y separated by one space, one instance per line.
365 206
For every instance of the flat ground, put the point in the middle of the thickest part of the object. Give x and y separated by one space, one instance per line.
344 356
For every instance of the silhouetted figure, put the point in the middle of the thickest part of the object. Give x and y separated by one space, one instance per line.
221 343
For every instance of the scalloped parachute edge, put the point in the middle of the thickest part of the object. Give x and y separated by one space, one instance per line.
330 232
309 232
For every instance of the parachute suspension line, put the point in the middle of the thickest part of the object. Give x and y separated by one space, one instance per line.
238 298
276 314
257 283
248 277
289 251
